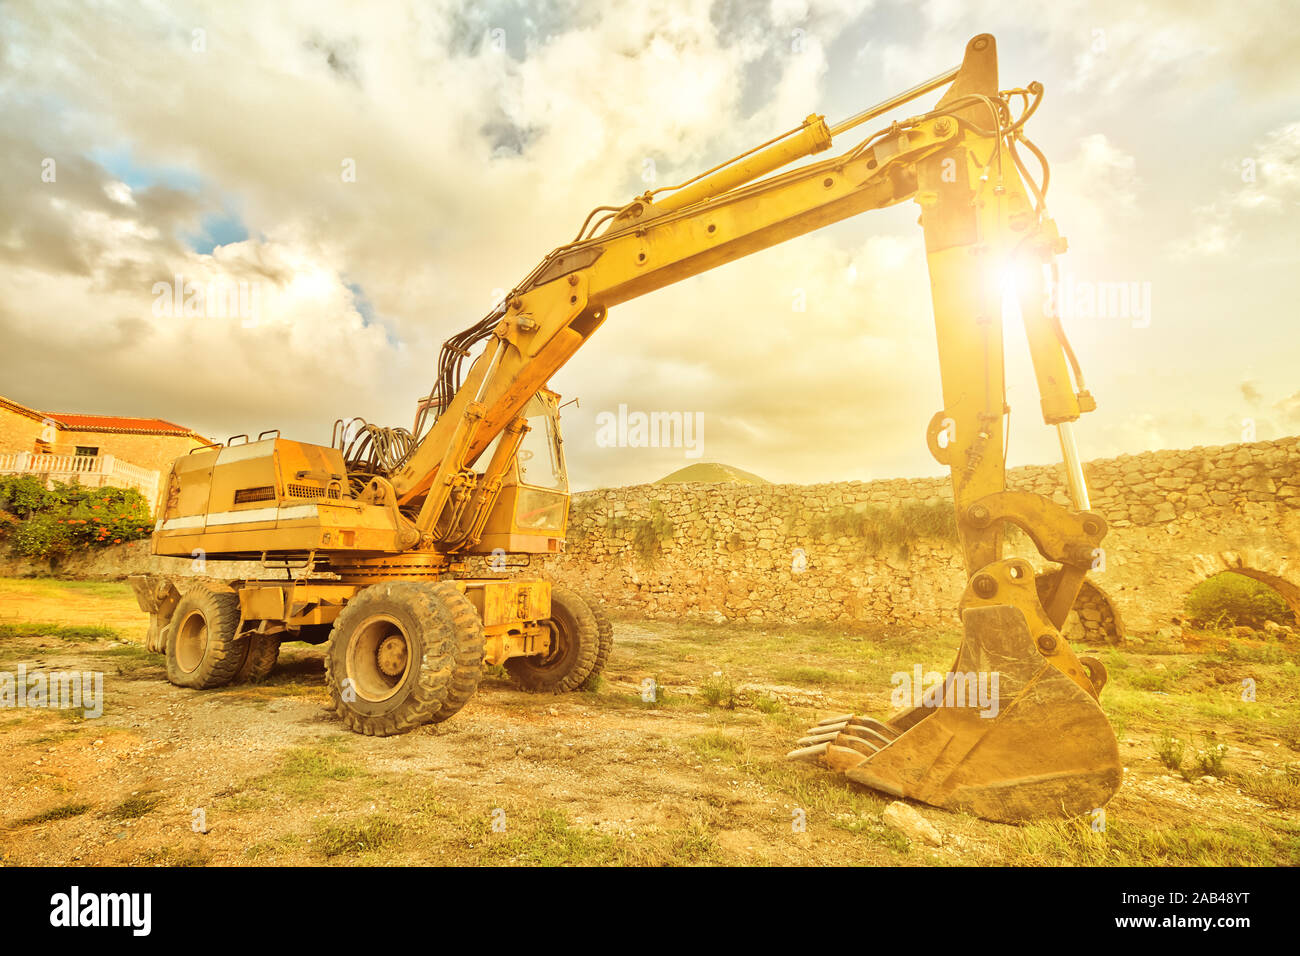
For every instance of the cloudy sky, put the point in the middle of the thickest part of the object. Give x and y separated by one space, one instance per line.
376 174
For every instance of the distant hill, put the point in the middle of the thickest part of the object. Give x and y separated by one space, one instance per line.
711 471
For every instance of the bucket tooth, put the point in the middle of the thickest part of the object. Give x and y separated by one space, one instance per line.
841 719
817 738
877 740
808 753
868 723
861 745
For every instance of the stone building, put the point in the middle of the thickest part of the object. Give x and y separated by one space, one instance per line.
92 449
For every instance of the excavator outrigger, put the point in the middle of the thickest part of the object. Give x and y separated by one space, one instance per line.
395 515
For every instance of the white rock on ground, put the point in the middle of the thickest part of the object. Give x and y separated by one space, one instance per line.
911 824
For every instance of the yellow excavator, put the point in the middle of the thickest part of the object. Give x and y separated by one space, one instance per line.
373 540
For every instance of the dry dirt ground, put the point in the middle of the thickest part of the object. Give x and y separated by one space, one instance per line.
696 777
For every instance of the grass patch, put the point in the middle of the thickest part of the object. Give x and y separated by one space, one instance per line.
315 764
1074 842
1153 680
358 836
175 856
306 771
132 808
546 839
1234 650
811 675
86 633
872 827
241 803
1280 788
716 746
264 848
54 737
692 843
64 812
823 796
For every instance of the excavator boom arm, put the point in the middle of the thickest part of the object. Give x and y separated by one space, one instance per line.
722 217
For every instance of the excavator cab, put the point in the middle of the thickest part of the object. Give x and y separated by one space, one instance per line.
531 512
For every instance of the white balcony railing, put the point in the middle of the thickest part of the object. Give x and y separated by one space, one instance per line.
99 471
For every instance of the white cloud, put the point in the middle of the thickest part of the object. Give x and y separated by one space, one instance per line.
473 161
1259 204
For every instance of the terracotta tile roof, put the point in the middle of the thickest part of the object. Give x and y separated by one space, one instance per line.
105 423
115 423
21 409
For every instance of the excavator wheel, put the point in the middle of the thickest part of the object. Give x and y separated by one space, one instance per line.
399 655
261 653
468 668
575 648
201 648
1042 748
605 634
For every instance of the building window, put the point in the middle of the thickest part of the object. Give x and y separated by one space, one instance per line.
87 451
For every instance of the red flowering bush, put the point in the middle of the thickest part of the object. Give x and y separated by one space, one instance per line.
47 523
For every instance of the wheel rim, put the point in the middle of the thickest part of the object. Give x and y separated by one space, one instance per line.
378 658
561 641
191 641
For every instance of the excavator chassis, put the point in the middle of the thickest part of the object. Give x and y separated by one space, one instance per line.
511 610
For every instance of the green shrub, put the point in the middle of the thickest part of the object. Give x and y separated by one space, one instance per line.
719 692
20 495
647 535
43 523
1171 751
1206 760
879 529
1230 599
1209 759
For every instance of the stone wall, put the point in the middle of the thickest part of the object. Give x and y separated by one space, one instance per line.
792 552
18 431
777 553
118 561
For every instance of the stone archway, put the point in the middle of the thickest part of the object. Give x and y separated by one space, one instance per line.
1094 619
1266 567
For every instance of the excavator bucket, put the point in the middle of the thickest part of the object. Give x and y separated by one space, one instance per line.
1037 746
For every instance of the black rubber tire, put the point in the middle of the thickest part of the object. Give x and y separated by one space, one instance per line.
219 656
260 656
573 653
605 635
436 631
470 646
